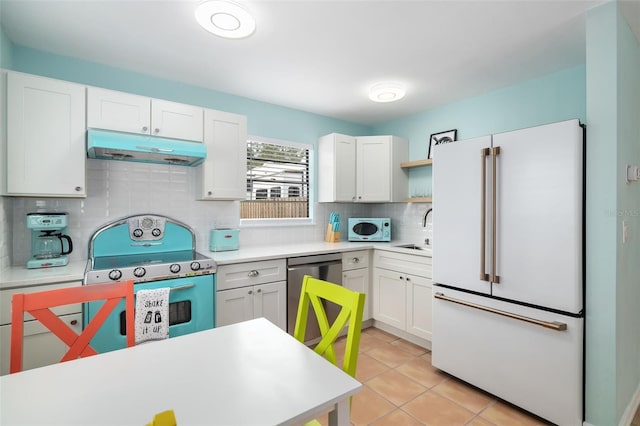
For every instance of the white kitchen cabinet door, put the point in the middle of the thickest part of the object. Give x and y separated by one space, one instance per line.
337 168
419 306
119 111
270 302
176 121
46 149
358 280
233 306
373 168
223 174
389 298
457 177
539 262
40 346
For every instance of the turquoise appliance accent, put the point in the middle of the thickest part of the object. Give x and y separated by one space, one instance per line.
224 239
107 145
50 246
369 229
155 252
191 309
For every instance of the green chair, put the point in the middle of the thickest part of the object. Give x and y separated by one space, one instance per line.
314 291
352 307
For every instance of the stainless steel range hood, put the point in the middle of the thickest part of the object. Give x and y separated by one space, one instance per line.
142 148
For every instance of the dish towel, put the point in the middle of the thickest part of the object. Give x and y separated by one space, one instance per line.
152 314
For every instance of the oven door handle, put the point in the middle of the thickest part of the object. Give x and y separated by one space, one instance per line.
182 287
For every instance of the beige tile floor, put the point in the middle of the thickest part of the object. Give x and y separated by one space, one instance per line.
402 388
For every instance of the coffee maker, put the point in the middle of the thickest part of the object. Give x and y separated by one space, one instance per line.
49 243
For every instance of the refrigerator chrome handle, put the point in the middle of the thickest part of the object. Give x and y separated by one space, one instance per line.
483 209
494 154
553 325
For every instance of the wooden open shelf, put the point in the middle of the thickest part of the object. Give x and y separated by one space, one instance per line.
419 200
416 163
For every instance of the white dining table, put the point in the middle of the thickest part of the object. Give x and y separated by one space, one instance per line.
251 373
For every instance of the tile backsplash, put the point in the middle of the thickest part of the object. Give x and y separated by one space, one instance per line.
117 189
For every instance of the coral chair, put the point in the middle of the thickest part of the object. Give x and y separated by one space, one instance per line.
38 305
314 291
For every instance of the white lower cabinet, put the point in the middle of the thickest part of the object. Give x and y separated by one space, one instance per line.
252 290
402 292
40 346
355 276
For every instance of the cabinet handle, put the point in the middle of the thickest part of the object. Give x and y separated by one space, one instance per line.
259 290
78 188
145 128
73 322
156 130
253 273
210 193
250 291
408 279
355 260
401 277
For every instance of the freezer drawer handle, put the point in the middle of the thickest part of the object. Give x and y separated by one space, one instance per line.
554 325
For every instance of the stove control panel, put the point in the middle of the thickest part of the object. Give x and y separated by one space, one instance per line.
146 228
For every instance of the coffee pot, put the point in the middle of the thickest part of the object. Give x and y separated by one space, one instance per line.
50 245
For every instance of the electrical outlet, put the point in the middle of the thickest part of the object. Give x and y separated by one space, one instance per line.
633 173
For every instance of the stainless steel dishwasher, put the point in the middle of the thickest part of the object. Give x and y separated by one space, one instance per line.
326 267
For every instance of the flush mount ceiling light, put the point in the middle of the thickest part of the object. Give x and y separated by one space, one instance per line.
386 92
225 19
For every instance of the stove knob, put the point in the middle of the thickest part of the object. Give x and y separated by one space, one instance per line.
175 268
195 266
139 272
115 274
156 232
137 232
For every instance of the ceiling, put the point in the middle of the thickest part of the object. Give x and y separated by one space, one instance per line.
319 56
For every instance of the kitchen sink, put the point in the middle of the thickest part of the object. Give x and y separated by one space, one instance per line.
410 246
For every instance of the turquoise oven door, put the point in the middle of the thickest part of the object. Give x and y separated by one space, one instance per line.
191 309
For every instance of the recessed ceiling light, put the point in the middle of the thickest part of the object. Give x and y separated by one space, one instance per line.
225 19
386 92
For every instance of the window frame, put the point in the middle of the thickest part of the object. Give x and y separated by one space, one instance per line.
266 222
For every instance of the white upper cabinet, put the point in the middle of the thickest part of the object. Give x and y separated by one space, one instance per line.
125 112
362 169
45 145
223 175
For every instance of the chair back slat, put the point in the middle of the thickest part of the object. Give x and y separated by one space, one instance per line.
39 305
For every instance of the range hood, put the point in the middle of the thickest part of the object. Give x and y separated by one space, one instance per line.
142 148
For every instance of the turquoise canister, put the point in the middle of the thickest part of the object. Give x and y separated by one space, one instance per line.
224 239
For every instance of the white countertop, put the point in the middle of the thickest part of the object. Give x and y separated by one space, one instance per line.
252 254
20 276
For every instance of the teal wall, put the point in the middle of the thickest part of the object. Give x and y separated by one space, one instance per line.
613 293
555 97
6 49
264 119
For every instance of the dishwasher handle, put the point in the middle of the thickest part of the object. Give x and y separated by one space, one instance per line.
314 265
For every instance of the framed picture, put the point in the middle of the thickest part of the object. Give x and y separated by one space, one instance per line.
439 138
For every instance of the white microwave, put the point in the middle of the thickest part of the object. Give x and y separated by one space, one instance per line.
369 229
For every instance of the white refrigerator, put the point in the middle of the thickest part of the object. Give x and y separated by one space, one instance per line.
508 257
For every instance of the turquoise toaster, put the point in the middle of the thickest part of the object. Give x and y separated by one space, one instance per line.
223 239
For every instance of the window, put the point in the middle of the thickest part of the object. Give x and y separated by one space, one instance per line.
277 180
